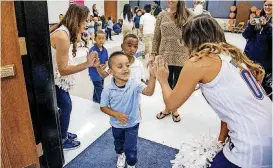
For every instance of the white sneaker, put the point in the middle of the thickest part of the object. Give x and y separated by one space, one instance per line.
128 166
121 160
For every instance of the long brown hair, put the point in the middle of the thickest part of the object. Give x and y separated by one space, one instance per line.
74 17
204 37
182 13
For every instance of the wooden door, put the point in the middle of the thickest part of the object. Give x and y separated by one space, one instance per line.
243 11
18 148
110 9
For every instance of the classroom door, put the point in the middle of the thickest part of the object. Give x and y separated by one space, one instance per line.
18 148
110 9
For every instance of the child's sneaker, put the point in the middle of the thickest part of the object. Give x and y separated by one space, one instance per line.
128 166
121 160
69 144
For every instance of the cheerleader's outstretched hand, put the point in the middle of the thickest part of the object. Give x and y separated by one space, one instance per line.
161 70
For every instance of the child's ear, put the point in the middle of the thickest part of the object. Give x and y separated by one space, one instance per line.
121 46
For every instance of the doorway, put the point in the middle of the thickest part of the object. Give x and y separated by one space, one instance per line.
110 9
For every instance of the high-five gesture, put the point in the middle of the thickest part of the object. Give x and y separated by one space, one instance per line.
92 58
151 69
161 70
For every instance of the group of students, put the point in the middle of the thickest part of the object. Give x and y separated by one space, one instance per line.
142 25
228 80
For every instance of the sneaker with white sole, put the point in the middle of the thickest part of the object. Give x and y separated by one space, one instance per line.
128 166
69 144
121 160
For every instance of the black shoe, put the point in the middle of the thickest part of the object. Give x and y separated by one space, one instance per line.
71 136
70 144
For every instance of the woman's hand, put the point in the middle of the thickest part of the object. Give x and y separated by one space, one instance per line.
161 70
92 59
252 21
263 20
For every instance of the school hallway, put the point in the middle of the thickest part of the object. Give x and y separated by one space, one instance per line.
159 140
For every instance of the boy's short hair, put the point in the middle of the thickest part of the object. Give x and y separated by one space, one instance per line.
147 8
99 32
114 54
109 18
130 36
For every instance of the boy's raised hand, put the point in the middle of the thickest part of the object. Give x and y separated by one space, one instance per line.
151 69
151 59
103 66
123 118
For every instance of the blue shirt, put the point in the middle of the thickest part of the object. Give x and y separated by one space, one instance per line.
103 56
123 100
136 21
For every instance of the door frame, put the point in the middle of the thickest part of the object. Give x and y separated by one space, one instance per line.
33 25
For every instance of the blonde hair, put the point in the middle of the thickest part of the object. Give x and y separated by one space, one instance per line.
237 55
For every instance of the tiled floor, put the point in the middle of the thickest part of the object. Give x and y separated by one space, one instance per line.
90 123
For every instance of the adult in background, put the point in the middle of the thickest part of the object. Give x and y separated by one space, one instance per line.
167 42
135 10
68 32
147 27
259 43
95 10
127 17
156 9
199 7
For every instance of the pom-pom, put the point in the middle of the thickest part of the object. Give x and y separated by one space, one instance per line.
198 152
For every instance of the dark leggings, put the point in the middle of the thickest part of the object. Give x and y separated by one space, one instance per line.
65 107
174 72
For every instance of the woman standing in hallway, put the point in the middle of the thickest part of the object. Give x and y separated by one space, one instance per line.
167 42
128 23
95 10
68 32
259 43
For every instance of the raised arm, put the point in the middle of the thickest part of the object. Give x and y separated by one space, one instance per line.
102 72
149 90
249 31
62 44
190 75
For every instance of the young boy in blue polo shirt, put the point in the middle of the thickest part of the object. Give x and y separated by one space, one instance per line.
120 100
97 80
